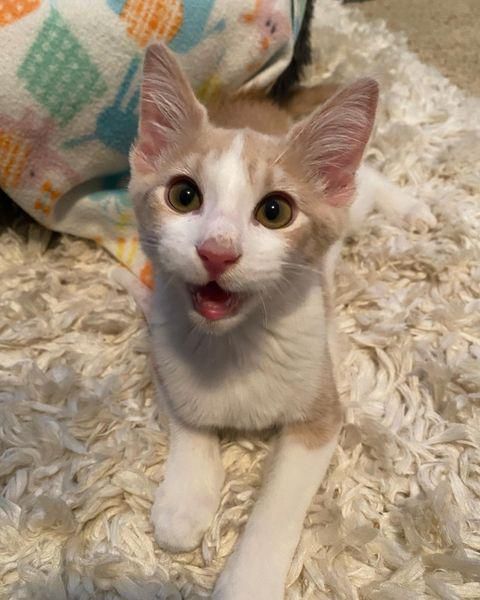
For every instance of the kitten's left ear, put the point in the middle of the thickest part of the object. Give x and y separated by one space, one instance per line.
330 143
168 108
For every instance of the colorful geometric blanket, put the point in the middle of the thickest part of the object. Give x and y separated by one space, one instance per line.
69 89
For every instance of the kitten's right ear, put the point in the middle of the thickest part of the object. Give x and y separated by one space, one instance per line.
330 143
168 108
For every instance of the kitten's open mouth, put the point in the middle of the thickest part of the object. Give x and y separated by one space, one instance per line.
213 302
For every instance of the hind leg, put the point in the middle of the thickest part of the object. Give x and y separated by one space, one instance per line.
374 191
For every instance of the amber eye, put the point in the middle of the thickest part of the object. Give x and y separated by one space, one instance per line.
274 211
184 196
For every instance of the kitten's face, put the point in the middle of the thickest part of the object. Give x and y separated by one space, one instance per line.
232 218
229 190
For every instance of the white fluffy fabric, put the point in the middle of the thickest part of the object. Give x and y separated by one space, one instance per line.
82 446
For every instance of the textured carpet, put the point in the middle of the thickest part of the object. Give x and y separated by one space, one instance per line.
443 33
398 516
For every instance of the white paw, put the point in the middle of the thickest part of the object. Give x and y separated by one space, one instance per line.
180 518
415 213
250 580
419 216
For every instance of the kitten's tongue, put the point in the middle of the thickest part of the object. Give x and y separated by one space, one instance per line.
212 302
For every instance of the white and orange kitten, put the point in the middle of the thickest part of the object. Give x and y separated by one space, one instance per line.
242 213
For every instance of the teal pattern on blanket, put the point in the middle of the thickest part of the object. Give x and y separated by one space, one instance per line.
69 96
116 125
58 71
298 12
195 20
116 5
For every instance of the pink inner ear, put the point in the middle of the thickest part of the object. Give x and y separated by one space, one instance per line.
168 107
334 138
150 143
340 186
141 159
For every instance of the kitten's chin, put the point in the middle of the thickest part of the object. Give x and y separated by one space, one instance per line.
217 327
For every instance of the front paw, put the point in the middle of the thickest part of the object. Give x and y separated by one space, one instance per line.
419 217
248 582
414 212
180 520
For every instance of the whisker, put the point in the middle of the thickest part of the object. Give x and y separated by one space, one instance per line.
149 243
168 281
283 286
264 309
300 266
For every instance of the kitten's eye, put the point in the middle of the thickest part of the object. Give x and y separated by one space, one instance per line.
274 211
184 196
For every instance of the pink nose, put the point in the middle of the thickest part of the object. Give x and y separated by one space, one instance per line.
216 258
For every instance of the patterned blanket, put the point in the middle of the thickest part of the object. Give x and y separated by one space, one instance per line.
69 94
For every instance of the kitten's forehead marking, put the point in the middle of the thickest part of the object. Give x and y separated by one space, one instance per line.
226 174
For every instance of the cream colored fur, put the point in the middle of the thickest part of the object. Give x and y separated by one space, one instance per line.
396 517
258 393
269 365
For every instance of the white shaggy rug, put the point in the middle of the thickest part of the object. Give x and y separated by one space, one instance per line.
399 515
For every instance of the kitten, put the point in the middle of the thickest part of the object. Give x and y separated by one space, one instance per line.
242 213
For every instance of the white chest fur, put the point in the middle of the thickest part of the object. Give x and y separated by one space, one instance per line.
261 374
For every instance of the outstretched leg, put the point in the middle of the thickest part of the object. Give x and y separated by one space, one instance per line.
187 499
259 566
374 190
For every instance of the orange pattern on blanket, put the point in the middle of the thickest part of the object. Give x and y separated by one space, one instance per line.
146 275
14 153
49 195
126 250
152 19
13 10
249 17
